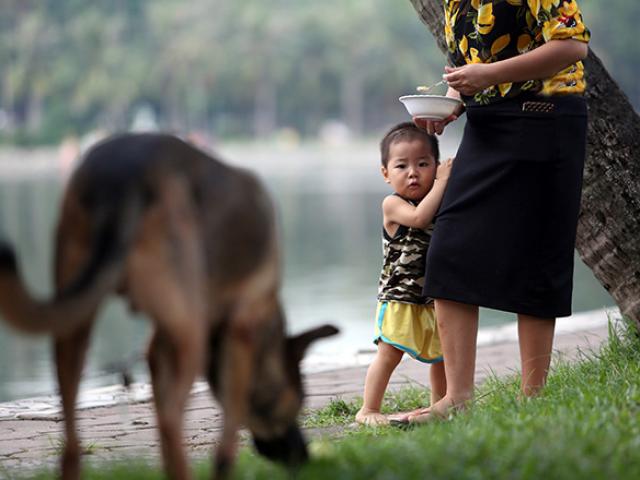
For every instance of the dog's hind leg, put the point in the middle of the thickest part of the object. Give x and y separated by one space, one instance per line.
166 280
70 352
172 374
175 358
69 356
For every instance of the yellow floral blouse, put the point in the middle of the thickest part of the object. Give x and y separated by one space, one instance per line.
486 31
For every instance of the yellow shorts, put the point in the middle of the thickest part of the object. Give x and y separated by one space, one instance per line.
409 327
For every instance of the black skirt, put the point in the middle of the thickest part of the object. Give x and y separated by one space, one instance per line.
505 233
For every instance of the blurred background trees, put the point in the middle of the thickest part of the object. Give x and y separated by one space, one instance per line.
233 69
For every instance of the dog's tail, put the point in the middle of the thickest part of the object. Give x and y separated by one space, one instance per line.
69 308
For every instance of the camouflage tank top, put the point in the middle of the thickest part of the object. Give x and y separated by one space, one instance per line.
402 276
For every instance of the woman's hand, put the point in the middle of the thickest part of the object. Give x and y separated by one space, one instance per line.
469 79
437 126
434 126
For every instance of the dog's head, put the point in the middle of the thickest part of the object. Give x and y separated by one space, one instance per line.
277 399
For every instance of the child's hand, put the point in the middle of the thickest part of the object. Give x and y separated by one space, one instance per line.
444 169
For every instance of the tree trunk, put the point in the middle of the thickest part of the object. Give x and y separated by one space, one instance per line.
609 223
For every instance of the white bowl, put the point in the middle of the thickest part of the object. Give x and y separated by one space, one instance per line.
433 107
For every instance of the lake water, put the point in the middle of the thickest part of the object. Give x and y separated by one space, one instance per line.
328 199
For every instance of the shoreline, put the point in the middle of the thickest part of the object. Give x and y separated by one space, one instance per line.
262 157
47 407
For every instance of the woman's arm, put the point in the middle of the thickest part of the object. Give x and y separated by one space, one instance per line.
539 63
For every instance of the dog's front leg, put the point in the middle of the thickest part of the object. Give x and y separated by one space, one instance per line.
235 382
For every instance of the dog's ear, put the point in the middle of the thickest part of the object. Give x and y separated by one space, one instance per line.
297 345
8 260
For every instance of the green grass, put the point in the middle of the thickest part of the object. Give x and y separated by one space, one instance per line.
341 412
586 424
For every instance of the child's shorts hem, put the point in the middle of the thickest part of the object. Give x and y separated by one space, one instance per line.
412 353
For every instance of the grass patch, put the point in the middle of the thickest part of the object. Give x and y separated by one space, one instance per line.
338 412
131 470
341 412
586 424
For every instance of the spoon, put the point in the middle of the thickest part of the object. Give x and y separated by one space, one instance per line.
425 88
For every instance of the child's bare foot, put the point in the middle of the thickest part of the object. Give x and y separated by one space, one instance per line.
371 418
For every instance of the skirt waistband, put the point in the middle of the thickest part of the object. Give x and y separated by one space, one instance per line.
537 105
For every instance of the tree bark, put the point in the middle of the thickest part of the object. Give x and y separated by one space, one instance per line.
609 224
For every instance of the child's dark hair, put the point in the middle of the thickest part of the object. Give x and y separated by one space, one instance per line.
407 131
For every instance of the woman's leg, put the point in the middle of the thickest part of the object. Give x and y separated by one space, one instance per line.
376 382
536 341
458 328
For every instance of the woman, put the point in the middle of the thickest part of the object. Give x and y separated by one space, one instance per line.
505 233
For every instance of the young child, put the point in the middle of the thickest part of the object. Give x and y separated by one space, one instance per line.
405 319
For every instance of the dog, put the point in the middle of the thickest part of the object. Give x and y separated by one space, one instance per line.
192 243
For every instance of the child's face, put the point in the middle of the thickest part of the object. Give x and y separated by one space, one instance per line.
411 168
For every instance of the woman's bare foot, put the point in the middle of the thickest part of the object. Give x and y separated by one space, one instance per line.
439 410
403 417
371 418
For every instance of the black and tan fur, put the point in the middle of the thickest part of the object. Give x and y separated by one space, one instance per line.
190 242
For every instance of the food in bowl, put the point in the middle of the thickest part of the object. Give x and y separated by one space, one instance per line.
433 107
